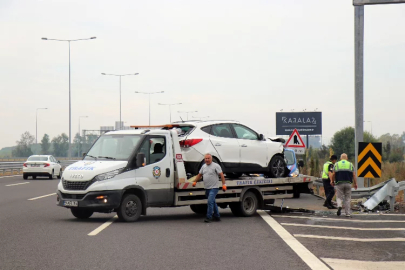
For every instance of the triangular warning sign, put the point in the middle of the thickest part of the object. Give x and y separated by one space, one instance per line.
295 140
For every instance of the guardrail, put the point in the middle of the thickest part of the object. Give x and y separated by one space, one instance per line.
15 168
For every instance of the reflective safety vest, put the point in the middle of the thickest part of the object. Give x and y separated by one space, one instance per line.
344 172
325 174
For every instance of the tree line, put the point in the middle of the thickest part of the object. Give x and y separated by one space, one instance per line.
58 146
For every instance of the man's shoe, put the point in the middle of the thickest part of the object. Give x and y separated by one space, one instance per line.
207 220
347 215
217 219
339 211
325 204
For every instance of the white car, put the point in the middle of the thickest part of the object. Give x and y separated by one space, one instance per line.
42 165
236 147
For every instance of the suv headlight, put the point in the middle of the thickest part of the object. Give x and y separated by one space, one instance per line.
108 175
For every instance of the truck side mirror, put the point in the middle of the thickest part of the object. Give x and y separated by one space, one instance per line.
84 154
140 160
261 137
301 163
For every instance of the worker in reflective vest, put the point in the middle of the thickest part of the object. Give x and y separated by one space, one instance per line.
343 177
327 175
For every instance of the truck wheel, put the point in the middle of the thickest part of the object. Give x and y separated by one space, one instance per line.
247 207
200 209
277 167
130 209
81 213
25 176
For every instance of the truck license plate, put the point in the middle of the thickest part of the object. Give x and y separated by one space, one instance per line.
70 203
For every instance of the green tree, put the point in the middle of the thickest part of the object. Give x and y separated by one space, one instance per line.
78 142
60 145
23 148
343 141
45 145
396 156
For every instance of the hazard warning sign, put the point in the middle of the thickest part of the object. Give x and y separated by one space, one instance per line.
295 140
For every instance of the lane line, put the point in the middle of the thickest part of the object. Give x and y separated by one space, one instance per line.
343 228
346 219
341 264
103 226
17 184
310 259
395 239
36 198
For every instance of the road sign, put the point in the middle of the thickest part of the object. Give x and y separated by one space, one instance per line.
369 160
299 151
295 141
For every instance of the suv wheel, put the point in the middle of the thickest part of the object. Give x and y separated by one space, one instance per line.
277 167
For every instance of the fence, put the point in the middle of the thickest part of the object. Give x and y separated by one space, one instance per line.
14 168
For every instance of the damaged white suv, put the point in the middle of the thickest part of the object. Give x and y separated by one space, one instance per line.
236 147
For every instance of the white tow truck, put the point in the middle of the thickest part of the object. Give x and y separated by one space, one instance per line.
128 171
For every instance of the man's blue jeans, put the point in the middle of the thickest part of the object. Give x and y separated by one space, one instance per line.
212 205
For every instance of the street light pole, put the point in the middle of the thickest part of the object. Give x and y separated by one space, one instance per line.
187 113
36 124
70 101
149 93
120 75
170 109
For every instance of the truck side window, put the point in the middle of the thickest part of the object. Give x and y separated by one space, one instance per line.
154 149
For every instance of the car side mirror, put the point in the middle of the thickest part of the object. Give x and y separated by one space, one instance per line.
84 154
59 161
301 163
261 137
140 160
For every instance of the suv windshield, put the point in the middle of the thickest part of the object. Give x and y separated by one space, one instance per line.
114 147
289 156
37 159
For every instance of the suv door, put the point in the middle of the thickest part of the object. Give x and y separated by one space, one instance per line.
253 151
157 169
226 145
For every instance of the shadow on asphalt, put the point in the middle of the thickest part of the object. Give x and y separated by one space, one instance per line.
180 217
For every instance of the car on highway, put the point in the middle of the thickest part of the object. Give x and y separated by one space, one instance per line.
236 147
42 165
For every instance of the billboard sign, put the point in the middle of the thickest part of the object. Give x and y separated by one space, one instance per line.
306 123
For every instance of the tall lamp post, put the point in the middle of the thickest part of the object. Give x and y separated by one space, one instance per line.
188 113
70 101
36 124
149 93
120 75
170 108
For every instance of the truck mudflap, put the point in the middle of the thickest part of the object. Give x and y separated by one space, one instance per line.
98 201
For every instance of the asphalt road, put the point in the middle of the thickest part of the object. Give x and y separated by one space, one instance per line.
36 234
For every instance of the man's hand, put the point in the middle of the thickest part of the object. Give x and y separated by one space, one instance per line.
332 183
194 184
355 186
223 187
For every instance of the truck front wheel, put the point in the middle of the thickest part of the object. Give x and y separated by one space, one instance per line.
81 213
130 209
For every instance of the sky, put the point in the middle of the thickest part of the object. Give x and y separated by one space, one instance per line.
226 59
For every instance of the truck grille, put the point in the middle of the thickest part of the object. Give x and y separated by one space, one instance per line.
72 196
76 185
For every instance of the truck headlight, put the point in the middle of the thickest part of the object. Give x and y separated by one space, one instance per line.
108 175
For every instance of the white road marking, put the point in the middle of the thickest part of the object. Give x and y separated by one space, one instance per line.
103 226
310 259
343 218
36 198
343 228
17 184
340 264
395 239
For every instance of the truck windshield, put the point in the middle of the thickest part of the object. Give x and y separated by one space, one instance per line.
289 156
114 147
